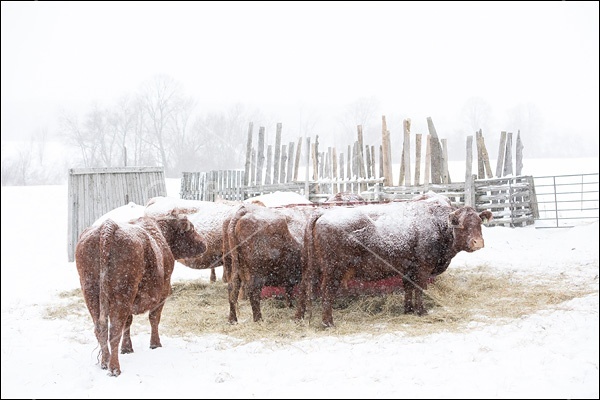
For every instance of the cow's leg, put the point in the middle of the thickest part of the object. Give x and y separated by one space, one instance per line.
301 300
213 275
253 289
126 346
117 322
233 287
409 288
154 317
421 286
101 331
289 291
329 288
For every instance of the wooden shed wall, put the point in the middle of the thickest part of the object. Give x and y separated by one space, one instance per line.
95 191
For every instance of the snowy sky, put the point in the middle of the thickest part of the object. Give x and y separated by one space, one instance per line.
552 353
299 61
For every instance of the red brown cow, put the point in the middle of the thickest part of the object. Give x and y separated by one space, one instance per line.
414 239
207 217
261 249
125 269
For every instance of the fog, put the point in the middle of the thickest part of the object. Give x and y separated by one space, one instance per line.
72 71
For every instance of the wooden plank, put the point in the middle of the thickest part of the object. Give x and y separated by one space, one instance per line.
436 153
418 140
508 166
336 187
277 157
114 170
269 165
297 161
427 160
445 173
291 159
386 151
469 188
283 164
406 152
260 156
248 154
501 151
519 154
315 157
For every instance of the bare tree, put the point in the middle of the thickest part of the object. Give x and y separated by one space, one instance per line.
221 137
161 99
363 111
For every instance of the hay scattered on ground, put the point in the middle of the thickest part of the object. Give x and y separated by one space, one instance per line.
455 300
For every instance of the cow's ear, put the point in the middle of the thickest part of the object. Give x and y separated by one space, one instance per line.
453 219
486 216
187 224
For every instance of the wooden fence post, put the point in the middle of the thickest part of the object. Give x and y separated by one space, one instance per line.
519 154
247 177
418 140
427 160
406 152
290 166
469 189
387 158
260 157
297 161
277 157
436 153
508 166
501 150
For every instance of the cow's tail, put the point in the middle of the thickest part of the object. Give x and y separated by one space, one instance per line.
310 275
107 231
234 252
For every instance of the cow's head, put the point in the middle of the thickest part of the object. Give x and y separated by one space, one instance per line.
466 227
183 239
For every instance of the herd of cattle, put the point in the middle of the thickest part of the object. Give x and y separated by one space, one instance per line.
126 258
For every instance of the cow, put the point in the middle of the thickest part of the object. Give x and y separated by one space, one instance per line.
415 239
207 217
125 269
262 247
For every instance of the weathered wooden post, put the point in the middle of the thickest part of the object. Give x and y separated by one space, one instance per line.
387 154
445 174
508 166
519 155
483 153
306 172
406 152
297 161
469 187
290 158
427 160
269 165
418 139
282 164
501 150
247 176
436 153
277 157
260 157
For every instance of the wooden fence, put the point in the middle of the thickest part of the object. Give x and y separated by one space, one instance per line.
359 170
95 191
